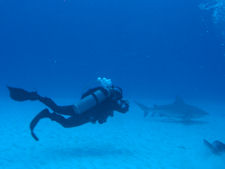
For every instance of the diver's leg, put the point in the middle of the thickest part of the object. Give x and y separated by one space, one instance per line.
72 121
23 95
65 110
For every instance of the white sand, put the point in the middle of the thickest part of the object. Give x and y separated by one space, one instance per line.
126 141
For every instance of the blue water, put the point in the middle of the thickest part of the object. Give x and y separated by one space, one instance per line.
153 49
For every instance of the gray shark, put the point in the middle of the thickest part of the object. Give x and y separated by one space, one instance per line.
179 110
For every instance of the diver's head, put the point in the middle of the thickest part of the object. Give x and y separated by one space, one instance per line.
116 93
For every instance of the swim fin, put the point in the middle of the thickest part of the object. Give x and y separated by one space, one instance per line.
22 95
43 114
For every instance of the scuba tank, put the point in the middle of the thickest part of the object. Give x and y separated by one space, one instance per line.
95 98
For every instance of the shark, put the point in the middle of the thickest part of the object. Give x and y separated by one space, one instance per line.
178 110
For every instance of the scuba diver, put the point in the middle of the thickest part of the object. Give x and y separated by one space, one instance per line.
95 105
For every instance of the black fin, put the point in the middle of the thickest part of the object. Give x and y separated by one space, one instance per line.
43 114
32 126
22 95
34 136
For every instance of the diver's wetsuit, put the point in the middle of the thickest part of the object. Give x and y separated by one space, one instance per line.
99 113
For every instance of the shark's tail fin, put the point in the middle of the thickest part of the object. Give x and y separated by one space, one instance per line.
18 94
144 108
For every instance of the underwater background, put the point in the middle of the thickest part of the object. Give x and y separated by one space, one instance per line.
154 49
151 48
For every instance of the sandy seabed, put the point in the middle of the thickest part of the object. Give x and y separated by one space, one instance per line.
126 141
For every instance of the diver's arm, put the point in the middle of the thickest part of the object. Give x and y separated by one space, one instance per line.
120 106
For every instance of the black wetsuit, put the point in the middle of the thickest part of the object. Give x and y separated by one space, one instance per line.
99 113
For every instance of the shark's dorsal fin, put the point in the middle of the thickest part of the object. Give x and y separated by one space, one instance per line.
179 100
